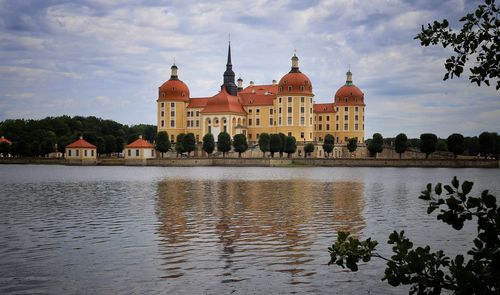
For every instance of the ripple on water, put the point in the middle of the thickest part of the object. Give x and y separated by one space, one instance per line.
207 230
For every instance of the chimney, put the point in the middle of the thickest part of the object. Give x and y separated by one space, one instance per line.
274 82
251 83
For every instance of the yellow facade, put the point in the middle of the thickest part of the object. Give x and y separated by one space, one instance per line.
290 110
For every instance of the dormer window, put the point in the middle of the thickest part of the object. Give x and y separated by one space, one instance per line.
281 88
289 88
302 88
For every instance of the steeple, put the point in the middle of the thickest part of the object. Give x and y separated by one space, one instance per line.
229 75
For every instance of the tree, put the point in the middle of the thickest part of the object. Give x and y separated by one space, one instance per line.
179 144
162 142
308 149
430 272
62 142
274 144
240 144
478 38
328 144
291 145
455 144
428 143
208 144
283 143
224 143
264 140
189 143
110 143
47 146
441 145
119 144
4 149
101 146
471 145
401 144
487 143
376 145
352 144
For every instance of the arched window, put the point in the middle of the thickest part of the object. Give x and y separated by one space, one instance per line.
289 88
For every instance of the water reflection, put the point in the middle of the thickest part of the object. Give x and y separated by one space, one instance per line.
234 230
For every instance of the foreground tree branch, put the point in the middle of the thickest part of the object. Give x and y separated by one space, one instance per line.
431 272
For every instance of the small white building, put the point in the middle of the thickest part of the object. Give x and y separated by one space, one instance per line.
139 150
81 150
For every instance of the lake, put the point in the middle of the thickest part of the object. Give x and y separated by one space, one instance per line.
210 230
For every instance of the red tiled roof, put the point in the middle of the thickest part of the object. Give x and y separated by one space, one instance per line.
3 139
258 95
296 80
81 143
324 108
353 94
140 144
173 90
199 102
223 102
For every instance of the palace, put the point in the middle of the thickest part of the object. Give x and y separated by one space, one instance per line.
287 107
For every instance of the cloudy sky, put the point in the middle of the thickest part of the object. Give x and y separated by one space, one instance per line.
107 58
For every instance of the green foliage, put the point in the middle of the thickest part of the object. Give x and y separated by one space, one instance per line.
264 142
33 137
101 146
4 149
224 143
179 144
428 143
291 145
208 143
352 144
162 142
431 272
456 144
308 149
328 144
478 39
401 144
110 144
471 145
487 144
189 143
376 145
274 144
347 251
441 145
283 143
240 144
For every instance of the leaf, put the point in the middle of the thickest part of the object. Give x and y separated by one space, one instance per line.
438 189
448 189
466 187
454 182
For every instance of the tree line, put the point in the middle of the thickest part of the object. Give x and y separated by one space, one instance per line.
486 145
31 138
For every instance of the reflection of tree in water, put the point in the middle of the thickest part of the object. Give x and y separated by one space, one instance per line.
269 225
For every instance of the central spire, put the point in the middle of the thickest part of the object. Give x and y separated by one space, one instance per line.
229 75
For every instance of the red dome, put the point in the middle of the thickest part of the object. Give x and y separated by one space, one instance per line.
349 94
295 83
174 89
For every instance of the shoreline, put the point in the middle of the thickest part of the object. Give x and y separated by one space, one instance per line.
265 162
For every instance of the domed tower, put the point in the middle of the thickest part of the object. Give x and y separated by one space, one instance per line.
294 104
173 98
350 106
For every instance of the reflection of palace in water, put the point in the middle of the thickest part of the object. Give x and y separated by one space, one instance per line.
239 224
